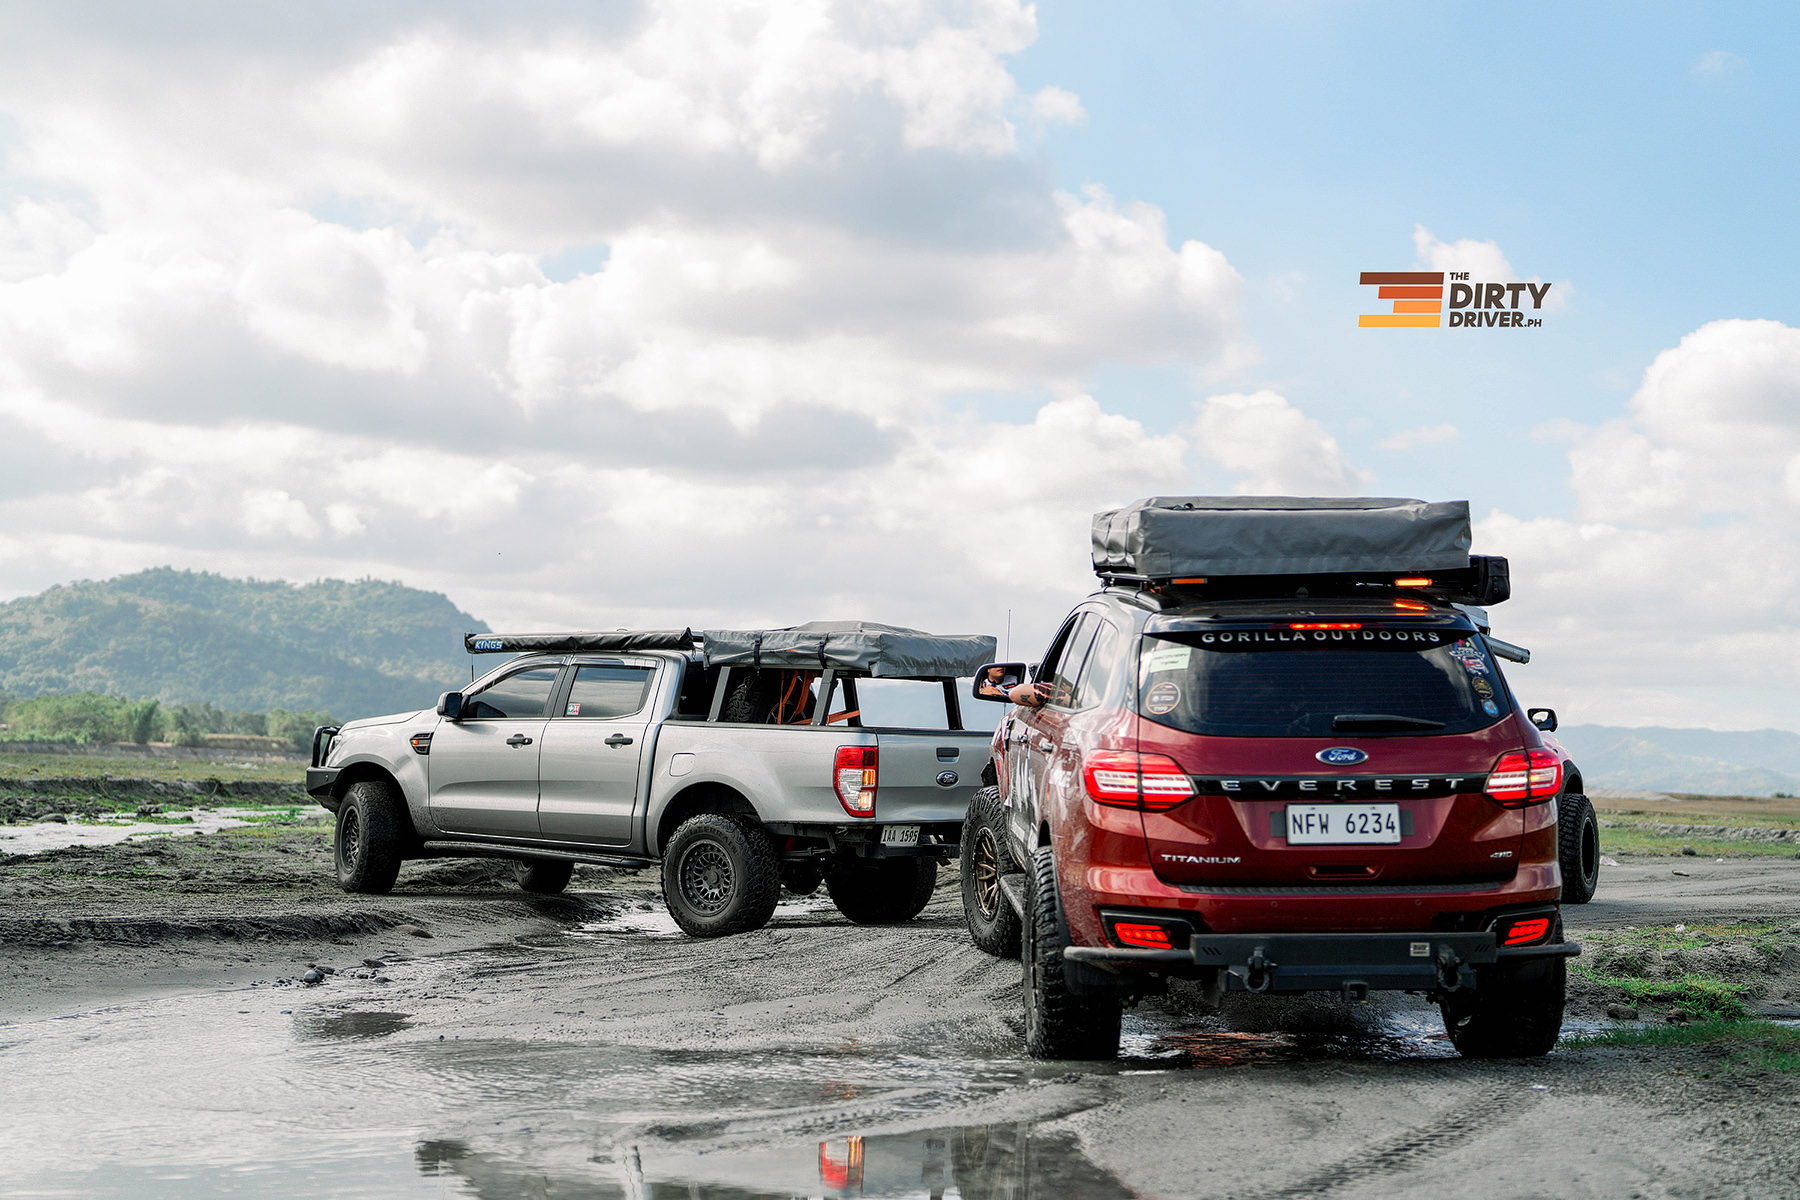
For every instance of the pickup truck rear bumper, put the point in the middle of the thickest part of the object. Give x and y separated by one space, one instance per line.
1348 962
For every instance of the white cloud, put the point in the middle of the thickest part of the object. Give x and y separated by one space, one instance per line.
1485 264
1425 435
1674 598
1718 62
1276 448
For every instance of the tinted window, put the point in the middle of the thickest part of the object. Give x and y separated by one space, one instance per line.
1236 684
608 691
523 694
1102 666
1067 668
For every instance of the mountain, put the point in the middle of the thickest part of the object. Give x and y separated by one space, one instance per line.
1755 762
351 648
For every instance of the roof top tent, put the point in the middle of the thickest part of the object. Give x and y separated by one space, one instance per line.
1238 547
823 651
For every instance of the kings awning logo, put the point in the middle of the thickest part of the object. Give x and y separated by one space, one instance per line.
1418 299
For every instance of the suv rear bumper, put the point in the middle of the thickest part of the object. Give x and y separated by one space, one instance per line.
1353 962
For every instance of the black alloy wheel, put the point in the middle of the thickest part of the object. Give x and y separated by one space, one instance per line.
720 875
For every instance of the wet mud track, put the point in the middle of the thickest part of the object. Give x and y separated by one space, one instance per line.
594 1053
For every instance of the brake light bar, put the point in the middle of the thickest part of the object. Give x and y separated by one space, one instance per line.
1413 581
853 778
1522 777
1126 780
1523 933
1326 625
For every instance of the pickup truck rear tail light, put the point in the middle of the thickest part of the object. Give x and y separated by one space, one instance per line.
1523 777
1128 780
853 777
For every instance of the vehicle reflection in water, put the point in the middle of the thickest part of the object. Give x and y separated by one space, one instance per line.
973 1162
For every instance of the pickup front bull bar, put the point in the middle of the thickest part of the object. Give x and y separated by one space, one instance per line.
1356 963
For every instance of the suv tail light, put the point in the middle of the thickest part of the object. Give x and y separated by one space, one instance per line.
853 778
1129 780
1525 931
1523 777
1148 933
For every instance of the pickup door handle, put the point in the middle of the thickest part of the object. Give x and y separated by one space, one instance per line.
518 739
618 739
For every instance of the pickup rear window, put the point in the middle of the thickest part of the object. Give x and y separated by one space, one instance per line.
1324 683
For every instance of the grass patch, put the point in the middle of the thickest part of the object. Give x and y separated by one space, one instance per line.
1636 839
222 766
1765 935
1760 1044
1704 995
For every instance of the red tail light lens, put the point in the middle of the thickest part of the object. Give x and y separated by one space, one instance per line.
1151 937
1127 780
1325 625
1523 933
1524 777
853 777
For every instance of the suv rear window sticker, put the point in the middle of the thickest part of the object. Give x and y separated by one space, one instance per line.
1163 698
1170 658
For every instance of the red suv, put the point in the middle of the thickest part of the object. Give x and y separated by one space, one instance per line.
1272 793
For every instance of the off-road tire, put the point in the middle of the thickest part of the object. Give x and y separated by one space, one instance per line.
1058 1023
370 833
1515 1011
882 891
801 878
993 925
1578 848
720 876
751 699
543 876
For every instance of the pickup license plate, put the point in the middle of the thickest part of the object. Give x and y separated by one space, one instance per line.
1342 824
899 835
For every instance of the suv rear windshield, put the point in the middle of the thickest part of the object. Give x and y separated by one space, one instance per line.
1267 683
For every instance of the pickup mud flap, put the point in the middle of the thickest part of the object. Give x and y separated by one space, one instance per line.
1354 963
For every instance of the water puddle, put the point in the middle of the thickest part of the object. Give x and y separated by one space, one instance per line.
111 830
653 920
353 1024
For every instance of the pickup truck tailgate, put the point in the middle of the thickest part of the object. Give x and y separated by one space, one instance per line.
928 775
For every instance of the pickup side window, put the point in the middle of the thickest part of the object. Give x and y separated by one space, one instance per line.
521 694
608 692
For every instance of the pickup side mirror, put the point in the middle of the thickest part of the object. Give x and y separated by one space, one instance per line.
450 706
994 680
1543 718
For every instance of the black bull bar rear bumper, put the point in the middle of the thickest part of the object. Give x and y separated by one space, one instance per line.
1352 962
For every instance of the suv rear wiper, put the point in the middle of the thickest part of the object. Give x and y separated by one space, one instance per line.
1375 721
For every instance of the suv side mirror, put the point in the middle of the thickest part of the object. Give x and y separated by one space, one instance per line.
450 706
1543 718
994 680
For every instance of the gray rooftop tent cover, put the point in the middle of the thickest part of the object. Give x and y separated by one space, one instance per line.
1165 537
864 647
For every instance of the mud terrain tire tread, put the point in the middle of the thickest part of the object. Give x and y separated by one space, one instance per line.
882 891
1578 848
1058 1023
737 849
1515 1011
543 876
993 925
366 842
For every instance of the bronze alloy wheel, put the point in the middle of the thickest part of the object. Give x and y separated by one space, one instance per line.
706 877
987 872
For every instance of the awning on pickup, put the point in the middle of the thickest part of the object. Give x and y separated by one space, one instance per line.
865 647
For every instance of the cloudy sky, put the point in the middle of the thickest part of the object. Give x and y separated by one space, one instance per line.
717 313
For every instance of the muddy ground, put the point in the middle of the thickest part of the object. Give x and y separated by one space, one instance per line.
156 1039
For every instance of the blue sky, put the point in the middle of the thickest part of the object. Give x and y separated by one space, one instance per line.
722 312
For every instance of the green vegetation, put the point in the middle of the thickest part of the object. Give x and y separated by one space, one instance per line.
1631 962
1756 1044
257 646
223 767
1642 838
88 717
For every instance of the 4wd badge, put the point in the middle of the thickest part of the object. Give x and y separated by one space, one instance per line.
1341 756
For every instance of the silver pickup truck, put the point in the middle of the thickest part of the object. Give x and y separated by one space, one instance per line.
718 756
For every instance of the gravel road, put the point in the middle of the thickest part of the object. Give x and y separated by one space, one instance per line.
156 1039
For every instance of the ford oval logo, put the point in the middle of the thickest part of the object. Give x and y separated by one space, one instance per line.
947 778
1341 756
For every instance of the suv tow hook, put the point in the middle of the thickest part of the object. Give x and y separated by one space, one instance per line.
1449 969
1259 970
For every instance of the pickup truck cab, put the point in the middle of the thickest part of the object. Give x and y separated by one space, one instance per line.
719 757
1278 783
